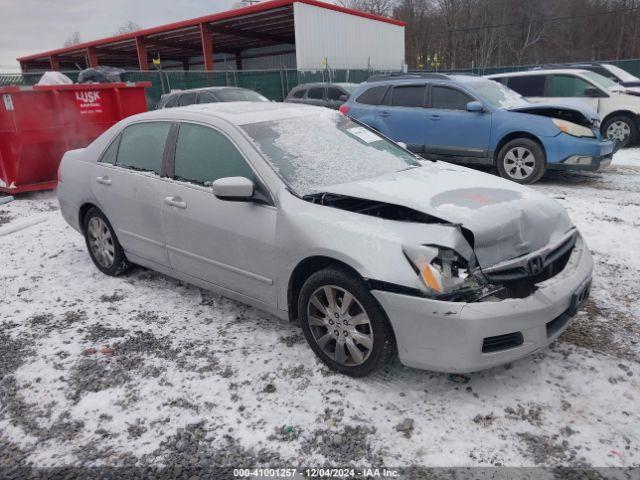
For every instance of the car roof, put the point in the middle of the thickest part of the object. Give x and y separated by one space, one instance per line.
237 113
539 71
324 84
203 89
418 78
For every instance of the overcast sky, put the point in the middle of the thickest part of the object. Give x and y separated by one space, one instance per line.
33 26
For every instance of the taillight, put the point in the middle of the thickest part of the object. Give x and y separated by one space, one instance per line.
344 109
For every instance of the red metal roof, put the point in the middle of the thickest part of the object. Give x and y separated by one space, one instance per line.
216 17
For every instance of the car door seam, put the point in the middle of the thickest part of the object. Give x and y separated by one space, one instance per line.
224 266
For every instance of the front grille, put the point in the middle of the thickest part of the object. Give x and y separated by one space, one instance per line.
519 279
502 342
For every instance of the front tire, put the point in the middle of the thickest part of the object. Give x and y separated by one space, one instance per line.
621 129
344 324
103 245
522 161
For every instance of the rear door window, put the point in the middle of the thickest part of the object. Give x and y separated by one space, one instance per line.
111 153
528 85
207 97
446 98
372 96
142 146
316 93
408 96
567 86
204 155
172 102
187 99
334 93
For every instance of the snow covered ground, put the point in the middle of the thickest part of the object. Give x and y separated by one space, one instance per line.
145 369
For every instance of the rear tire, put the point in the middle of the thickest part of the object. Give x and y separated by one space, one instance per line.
344 324
103 245
522 161
621 129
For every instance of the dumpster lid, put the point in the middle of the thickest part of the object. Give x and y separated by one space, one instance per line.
75 86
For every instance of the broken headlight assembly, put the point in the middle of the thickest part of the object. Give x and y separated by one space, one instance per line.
573 129
446 275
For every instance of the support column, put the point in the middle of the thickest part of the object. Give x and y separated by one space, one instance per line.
207 46
55 63
238 60
141 48
23 68
92 57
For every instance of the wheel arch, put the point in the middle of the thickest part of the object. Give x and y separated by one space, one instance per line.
84 208
303 270
622 113
513 136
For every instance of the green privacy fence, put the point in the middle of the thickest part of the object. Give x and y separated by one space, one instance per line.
273 84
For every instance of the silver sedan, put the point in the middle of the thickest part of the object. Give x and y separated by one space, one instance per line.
310 216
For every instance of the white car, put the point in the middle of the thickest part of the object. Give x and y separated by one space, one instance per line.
619 109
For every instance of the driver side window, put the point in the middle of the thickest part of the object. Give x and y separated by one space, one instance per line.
204 155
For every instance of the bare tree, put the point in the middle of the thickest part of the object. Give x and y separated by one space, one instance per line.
128 27
376 7
73 39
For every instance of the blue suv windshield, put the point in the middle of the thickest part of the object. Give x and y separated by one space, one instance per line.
495 93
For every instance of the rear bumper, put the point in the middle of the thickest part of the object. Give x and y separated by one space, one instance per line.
464 337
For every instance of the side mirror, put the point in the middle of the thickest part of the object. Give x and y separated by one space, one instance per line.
233 188
343 98
592 92
474 106
402 144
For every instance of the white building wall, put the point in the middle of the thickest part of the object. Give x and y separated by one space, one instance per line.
346 41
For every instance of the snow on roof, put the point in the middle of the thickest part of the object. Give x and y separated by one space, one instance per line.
237 113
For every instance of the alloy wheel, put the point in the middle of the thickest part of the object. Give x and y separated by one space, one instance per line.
619 131
519 163
340 326
101 242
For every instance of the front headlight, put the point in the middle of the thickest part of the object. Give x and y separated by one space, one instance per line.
442 271
573 129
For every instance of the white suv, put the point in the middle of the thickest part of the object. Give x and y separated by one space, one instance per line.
619 110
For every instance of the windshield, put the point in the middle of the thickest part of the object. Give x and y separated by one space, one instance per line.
599 80
349 87
623 75
326 148
240 96
496 94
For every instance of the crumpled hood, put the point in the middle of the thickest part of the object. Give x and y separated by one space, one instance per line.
570 113
507 220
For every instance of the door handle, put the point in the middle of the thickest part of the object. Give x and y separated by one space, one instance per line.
384 114
104 180
175 202
434 117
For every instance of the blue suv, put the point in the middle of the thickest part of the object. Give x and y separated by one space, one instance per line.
472 120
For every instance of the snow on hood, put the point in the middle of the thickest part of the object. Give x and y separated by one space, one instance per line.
507 220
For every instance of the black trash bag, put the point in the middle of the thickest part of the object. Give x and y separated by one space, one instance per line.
102 74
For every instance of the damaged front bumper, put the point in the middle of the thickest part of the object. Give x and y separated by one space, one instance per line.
583 154
460 337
